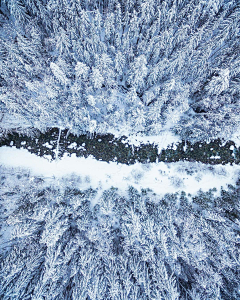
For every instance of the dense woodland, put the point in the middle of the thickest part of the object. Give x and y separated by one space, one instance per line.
131 66
71 244
126 66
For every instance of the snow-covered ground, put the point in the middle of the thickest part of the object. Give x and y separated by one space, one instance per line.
160 177
162 140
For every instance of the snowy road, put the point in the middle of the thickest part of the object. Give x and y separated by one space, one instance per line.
160 177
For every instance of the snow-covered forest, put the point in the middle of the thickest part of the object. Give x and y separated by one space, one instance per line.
119 149
124 66
70 242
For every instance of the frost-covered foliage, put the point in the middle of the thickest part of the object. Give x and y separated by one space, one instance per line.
58 242
139 65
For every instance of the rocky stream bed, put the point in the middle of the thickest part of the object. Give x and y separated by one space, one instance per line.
54 144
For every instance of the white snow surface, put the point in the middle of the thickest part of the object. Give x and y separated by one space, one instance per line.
160 177
164 139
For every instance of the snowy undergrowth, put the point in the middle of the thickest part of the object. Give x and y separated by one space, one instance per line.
160 177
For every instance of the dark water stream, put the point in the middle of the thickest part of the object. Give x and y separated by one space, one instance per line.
51 144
